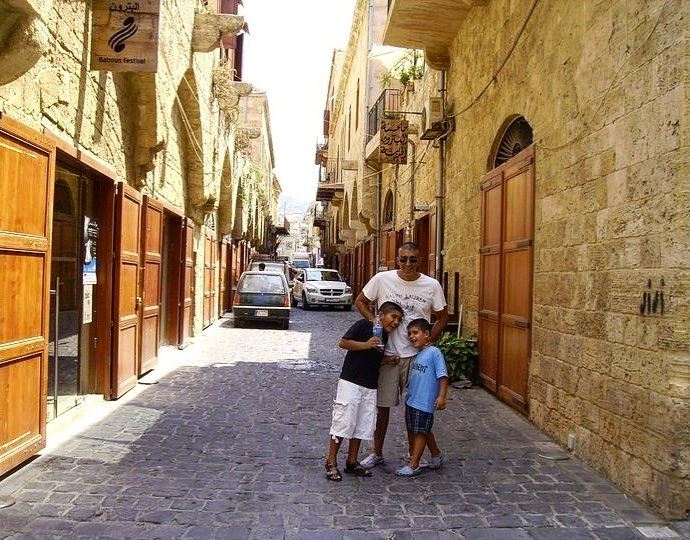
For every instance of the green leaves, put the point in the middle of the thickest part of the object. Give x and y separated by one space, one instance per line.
461 355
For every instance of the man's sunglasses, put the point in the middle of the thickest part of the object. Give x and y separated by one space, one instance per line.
405 259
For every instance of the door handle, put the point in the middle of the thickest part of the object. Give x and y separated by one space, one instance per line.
138 302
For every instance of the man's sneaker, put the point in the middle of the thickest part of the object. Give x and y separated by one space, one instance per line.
372 460
408 471
423 463
436 462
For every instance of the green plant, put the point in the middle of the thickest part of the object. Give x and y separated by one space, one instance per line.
409 68
461 354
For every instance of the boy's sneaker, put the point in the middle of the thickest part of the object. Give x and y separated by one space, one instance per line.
408 471
436 462
423 463
372 460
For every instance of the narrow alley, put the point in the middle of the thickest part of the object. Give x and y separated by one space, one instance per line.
231 444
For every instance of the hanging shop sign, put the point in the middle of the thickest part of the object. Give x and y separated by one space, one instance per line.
393 141
124 36
90 265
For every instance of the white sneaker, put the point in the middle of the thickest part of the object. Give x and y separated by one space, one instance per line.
372 460
423 463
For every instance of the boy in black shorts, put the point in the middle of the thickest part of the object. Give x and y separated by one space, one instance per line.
354 407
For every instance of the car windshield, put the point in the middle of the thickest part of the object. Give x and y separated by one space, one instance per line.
300 264
323 275
272 266
262 283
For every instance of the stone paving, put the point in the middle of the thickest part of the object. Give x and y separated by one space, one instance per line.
232 444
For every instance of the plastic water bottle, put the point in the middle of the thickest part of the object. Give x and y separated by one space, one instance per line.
378 330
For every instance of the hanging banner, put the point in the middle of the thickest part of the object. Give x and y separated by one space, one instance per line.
393 141
90 266
124 36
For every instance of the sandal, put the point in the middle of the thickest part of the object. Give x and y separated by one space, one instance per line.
357 469
332 472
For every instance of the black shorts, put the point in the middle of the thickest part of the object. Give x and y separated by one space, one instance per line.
418 421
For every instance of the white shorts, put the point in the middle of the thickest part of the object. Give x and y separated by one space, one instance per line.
354 412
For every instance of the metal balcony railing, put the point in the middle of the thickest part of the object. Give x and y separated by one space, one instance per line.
386 105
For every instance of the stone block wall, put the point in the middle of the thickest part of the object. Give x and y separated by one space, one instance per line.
605 87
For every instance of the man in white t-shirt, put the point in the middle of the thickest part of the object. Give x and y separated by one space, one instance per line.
419 296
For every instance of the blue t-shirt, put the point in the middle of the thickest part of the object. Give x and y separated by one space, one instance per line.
427 368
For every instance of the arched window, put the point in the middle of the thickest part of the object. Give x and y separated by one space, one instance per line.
63 198
516 136
388 209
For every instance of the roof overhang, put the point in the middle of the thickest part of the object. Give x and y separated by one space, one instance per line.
430 25
326 192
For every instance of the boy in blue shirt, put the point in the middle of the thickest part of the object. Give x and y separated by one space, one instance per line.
426 392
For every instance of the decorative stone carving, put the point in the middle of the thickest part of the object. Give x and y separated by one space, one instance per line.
209 28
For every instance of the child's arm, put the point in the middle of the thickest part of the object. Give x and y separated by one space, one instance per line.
352 345
443 389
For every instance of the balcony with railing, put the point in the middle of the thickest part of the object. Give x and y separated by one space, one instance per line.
327 189
321 157
386 106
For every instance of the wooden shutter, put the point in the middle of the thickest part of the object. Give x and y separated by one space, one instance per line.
431 261
224 303
27 174
187 281
516 270
152 250
128 300
210 266
391 250
490 278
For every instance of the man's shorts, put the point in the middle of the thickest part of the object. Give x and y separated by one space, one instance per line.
418 421
354 412
392 382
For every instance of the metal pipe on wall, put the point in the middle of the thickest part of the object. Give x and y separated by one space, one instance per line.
440 185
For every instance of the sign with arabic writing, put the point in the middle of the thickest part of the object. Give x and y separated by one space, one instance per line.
393 141
124 36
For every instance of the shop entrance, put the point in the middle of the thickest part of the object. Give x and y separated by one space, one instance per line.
76 284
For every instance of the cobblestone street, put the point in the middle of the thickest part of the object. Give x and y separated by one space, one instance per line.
232 445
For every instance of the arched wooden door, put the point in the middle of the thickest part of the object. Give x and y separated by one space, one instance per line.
505 296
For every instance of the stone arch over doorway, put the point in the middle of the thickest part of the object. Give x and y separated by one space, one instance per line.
514 135
187 104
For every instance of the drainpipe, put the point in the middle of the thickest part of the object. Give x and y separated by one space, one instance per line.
414 166
440 181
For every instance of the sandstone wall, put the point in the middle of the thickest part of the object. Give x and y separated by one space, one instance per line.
605 87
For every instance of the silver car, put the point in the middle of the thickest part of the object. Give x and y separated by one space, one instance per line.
321 287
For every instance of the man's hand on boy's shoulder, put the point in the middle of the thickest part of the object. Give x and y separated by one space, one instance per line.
440 403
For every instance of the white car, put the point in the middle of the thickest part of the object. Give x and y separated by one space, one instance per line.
321 287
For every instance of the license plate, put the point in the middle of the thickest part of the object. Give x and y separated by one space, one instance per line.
261 313
332 300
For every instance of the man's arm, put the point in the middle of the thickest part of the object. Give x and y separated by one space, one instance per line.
440 324
352 345
363 305
443 389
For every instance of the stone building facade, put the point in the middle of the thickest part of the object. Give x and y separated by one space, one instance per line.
563 160
144 169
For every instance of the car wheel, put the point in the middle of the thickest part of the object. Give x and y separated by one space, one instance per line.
285 324
305 304
238 323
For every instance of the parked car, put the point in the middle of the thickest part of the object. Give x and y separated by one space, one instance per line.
273 266
262 296
321 287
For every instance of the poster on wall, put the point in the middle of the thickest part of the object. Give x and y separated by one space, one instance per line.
90 265
124 36
87 315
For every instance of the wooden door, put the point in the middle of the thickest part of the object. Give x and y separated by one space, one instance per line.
516 289
506 266
490 279
224 277
422 241
152 254
27 173
210 267
187 281
391 250
127 291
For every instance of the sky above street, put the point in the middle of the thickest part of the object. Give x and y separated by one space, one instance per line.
288 54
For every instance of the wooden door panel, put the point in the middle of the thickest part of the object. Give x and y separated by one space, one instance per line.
516 289
27 175
488 359
126 342
224 278
187 281
431 261
152 242
391 250
515 345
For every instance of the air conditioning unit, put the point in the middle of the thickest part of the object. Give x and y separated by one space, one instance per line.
432 119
